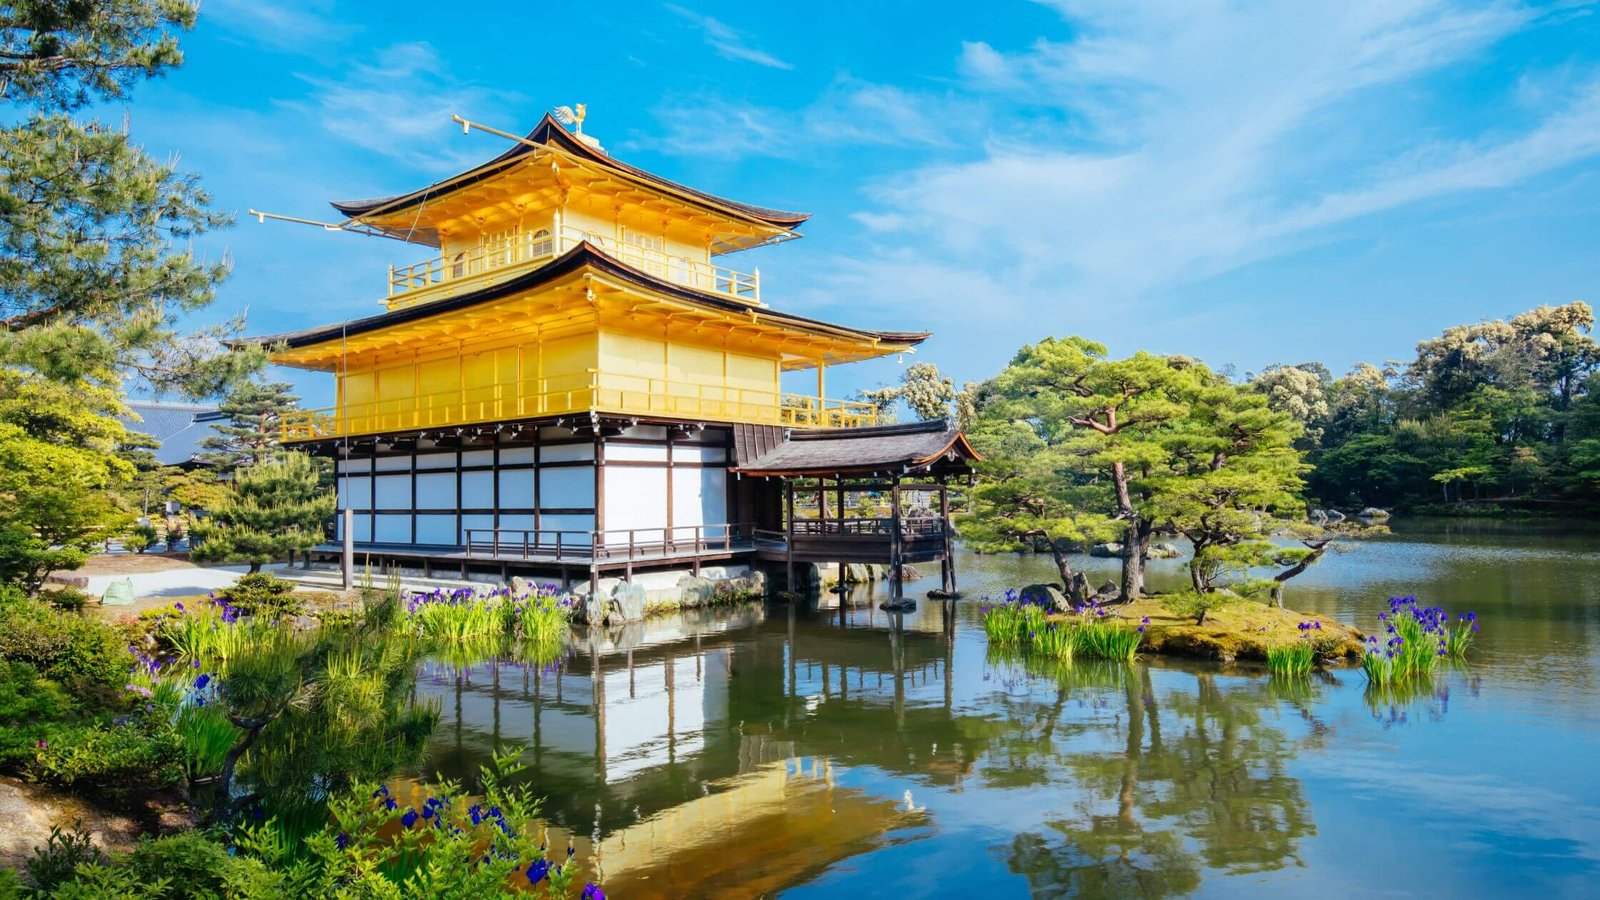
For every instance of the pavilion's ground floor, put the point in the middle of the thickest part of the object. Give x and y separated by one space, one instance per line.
599 498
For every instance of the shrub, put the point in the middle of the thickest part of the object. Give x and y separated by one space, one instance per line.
141 538
1197 606
200 867
110 759
89 655
59 858
67 599
29 708
263 595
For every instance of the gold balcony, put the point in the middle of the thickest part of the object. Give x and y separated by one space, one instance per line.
430 278
598 392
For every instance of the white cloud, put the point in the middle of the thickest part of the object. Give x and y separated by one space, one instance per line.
848 113
400 104
302 26
728 43
1197 133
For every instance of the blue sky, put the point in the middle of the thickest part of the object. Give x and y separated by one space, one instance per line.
1245 183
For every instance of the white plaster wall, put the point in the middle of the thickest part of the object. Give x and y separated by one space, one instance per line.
393 529
475 522
699 497
516 455
392 492
566 488
436 460
566 453
436 490
635 498
636 453
356 492
393 464
436 529
516 488
683 453
477 490
575 523
355 465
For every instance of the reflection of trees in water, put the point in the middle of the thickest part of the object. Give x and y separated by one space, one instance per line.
1199 781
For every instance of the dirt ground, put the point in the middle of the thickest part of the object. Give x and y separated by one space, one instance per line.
30 809
131 564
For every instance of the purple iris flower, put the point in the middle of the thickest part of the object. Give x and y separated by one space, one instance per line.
538 870
409 819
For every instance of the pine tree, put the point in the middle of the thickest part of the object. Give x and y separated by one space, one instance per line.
275 507
254 410
95 265
1101 421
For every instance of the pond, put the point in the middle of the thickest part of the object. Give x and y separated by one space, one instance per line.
826 753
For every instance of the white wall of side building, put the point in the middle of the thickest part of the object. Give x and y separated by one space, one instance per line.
432 497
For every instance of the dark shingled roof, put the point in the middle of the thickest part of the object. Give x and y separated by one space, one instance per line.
879 448
178 427
550 132
574 259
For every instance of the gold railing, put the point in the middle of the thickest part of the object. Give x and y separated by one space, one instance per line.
598 391
542 245
803 411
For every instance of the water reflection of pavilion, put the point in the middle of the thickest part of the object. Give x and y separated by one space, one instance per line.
714 734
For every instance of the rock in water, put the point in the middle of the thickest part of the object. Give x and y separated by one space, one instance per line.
904 604
1106 550
1164 551
520 587
1372 512
629 601
694 591
1050 596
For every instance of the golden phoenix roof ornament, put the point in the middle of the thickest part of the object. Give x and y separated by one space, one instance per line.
567 116
574 116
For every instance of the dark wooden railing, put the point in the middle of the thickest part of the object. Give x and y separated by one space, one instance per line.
914 528
567 545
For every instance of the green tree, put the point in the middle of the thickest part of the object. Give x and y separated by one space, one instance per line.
1032 495
1103 421
255 410
1300 392
275 508
59 471
95 264
1231 483
928 394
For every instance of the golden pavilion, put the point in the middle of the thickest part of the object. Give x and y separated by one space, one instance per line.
574 382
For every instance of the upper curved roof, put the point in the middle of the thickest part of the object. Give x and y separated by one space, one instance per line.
551 133
579 257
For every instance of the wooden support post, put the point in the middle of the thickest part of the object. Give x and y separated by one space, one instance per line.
895 542
347 555
788 525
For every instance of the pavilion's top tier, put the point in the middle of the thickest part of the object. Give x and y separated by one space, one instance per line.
548 193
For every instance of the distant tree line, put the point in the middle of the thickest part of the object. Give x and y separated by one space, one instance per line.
1502 414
